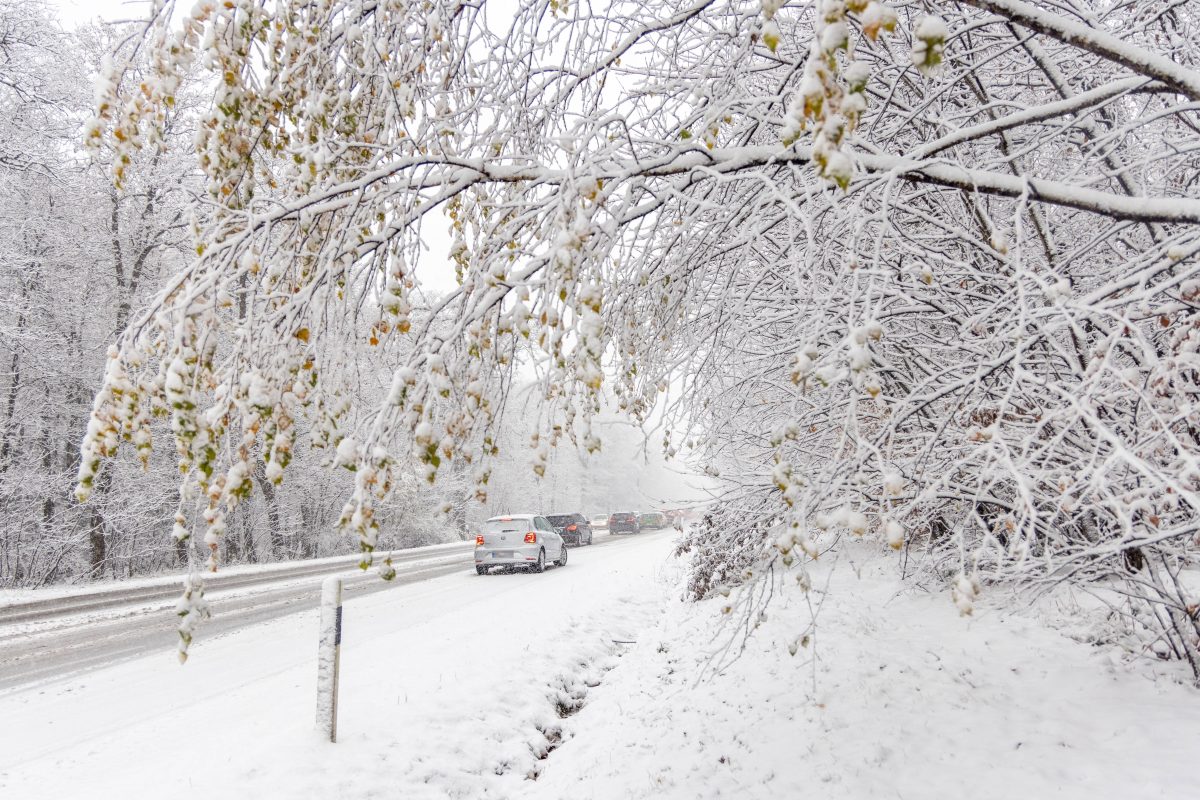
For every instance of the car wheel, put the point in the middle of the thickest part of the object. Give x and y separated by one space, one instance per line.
540 566
562 557
481 570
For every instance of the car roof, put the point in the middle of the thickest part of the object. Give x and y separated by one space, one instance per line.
507 517
561 514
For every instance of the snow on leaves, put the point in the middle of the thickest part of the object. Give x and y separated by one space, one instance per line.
831 95
925 278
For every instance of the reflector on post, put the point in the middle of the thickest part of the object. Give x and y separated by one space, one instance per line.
329 654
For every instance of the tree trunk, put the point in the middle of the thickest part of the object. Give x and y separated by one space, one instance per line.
14 386
274 522
97 533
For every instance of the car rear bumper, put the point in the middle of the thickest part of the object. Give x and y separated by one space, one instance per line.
572 538
522 554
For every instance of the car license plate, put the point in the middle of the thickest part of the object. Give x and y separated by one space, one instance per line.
502 554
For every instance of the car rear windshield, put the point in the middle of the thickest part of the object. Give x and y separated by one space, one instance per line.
623 515
561 519
517 525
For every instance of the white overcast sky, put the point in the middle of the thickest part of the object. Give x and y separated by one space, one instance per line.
77 11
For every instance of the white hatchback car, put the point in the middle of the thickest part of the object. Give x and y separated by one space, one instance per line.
518 540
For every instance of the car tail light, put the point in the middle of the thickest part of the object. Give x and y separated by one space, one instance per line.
531 538
571 527
479 541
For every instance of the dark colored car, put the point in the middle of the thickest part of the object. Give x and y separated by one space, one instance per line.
573 528
624 522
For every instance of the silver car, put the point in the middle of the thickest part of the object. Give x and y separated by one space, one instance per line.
518 540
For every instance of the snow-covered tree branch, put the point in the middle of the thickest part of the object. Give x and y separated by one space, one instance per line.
926 272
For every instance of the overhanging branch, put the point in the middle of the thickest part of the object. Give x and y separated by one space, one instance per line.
1097 42
941 173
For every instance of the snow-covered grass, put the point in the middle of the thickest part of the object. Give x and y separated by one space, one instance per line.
1099 614
594 681
910 701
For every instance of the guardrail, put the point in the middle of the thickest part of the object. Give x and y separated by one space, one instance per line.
109 597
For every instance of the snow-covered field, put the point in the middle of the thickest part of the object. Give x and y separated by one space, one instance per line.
597 682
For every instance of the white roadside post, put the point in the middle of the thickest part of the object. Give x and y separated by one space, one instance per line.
329 656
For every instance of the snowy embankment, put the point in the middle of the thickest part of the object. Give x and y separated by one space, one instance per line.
593 681
906 699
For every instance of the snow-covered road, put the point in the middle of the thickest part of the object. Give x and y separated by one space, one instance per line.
65 634
453 686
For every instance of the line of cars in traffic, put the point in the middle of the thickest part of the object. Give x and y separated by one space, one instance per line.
531 541
634 522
